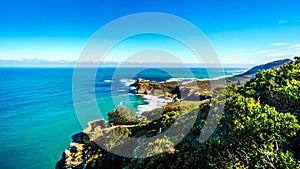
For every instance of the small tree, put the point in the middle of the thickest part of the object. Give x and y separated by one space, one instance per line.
122 116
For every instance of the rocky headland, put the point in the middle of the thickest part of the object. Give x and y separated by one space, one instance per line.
186 97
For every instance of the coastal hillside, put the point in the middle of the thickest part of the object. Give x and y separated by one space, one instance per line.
266 66
246 76
259 128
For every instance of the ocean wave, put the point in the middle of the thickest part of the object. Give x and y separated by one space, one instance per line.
142 108
235 72
153 103
127 82
120 104
107 81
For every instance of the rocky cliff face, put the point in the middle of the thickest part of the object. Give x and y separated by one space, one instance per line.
168 89
192 91
74 156
83 152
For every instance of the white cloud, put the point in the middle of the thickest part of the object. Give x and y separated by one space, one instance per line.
278 51
293 20
282 21
280 44
295 47
33 62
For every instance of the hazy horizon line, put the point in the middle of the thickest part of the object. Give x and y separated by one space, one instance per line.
73 63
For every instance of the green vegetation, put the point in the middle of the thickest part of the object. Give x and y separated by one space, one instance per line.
122 116
259 127
160 146
277 87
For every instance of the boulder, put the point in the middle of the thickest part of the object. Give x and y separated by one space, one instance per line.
81 138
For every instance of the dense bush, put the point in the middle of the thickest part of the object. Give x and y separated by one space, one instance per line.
259 126
277 87
121 116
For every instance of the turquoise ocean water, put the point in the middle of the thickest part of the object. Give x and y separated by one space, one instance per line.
37 116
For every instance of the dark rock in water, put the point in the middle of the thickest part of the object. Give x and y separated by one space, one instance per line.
255 69
80 138
132 89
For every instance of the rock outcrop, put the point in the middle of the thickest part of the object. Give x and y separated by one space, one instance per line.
168 89
83 152
74 156
192 91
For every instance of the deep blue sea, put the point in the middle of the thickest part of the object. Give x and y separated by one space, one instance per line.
37 115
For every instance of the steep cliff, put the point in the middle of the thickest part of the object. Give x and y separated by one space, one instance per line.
259 128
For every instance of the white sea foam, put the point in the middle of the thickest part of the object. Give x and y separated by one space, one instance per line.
236 72
107 81
153 102
127 82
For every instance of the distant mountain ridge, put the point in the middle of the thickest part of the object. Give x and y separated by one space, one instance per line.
269 65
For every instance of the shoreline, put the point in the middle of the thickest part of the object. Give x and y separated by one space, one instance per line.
153 102
84 152
158 101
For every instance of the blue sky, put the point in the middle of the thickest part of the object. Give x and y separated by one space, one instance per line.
245 32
